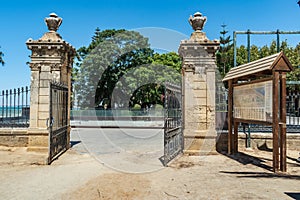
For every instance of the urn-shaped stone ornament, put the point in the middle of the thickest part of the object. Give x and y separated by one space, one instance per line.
197 21
53 22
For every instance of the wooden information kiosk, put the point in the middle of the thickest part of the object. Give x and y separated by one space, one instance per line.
257 95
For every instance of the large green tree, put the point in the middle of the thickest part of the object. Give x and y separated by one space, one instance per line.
223 56
144 85
104 62
293 54
118 65
168 59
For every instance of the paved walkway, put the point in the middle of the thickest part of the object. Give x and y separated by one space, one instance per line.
124 149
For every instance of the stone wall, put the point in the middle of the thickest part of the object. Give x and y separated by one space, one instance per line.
14 137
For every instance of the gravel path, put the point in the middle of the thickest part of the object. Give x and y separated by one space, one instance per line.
78 174
27 180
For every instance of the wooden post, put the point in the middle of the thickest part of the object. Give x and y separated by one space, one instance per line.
283 122
275 121
230 117
235 137
275 71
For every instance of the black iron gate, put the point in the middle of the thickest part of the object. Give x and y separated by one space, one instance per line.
58 121
173 135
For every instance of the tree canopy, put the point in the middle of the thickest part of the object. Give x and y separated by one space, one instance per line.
120 67
292 53
225 55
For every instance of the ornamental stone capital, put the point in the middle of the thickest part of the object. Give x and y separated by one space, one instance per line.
197 21
188 67
53 22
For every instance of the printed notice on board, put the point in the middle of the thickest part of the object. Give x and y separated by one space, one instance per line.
253 101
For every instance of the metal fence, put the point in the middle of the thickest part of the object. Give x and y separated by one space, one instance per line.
292 108
292 112
14 107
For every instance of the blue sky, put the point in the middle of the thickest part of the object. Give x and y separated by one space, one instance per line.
21 20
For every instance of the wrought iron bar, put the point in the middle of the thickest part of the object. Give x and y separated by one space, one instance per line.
18 103
14 108
2 106
27 104
10 100
6 94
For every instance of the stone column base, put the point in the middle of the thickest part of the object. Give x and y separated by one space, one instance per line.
38 140
200 142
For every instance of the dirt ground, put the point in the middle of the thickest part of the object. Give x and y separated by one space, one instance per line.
247 175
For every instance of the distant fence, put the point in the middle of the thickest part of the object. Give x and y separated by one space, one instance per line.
14 107
121 114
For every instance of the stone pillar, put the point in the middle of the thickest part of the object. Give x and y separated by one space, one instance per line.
51 60
199 74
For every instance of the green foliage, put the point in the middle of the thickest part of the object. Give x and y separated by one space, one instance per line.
168 59
143 85
223 56
110 54
293 54
1 58
119 67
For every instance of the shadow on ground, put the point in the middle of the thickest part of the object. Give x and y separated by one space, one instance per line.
293 195
247 159
262 175
260 161
73 143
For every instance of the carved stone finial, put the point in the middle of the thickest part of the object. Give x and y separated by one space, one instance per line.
197 22
53 22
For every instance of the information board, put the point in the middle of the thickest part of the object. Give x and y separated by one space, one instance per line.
253 101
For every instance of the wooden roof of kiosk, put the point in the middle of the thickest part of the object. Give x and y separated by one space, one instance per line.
272 68
259 68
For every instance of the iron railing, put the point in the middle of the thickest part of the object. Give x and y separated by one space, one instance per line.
292 114
14 107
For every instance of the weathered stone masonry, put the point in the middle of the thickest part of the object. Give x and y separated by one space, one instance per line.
51 60
199 72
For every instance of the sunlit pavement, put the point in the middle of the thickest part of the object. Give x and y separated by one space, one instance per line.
129 150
